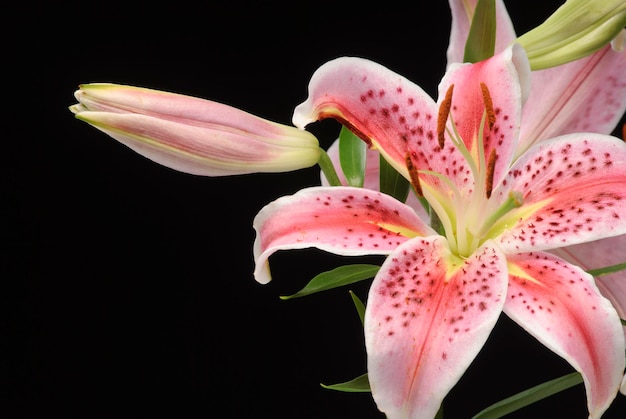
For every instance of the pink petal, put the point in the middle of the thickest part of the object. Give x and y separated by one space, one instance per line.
385 109
560 305
574 190
599 254
428 315
587 95
169 106
397 117
342 220
505 76
207 151
462 13
372 177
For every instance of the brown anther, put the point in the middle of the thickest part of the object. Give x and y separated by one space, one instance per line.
442 117
491 167
415 179
491 116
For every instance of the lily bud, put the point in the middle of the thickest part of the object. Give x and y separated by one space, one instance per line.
194 135
576 29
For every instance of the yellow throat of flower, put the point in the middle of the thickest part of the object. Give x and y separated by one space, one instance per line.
469 216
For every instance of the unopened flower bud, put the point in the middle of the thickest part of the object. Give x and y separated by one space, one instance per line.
194 135
576 29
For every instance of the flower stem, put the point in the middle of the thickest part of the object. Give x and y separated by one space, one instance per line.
328 169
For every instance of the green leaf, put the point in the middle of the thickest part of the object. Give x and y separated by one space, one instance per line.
530 396
481 40
360 307
607 269
337 277
352 154
360 384
393 183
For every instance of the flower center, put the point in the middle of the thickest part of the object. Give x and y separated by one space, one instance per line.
465 215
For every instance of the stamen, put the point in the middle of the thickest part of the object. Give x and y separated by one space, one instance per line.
442 117
491 167
491 116
415 179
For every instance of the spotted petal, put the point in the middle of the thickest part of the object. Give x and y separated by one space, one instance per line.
600 254
342 220
398 118
385 109
428 315
505 77
574 191
560 305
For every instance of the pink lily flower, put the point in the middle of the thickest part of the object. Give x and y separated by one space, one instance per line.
586 95
194 135
438 295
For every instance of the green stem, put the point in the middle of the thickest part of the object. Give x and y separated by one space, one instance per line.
328 169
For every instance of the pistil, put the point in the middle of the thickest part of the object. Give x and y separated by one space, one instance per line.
514 200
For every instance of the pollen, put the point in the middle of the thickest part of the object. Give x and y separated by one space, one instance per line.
491 167
442 117
491 115
415 179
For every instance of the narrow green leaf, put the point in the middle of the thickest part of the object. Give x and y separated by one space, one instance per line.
481 40
607 269
530 396
623 322
337 277
352 154
360 384
393 183
360 307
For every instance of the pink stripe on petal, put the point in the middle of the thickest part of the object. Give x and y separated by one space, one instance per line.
587 95
428 315
600 254
207 151
174 107
560 305
342 220
505 76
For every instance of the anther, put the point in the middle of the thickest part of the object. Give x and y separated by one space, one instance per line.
415 179
491 167
491 116
442 117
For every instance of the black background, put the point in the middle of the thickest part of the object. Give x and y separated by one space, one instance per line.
127 288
